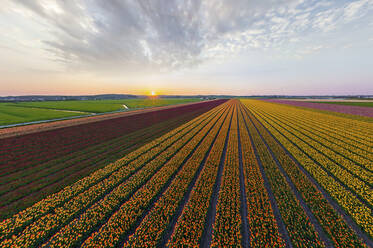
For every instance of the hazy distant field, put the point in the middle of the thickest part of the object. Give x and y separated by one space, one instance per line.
360 104
12 113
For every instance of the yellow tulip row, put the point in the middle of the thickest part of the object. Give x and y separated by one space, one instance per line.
12 225
358 126
151 230
307 123
353 182
361 214
364 153
329 219
191 223
365 176
52 221
304 121
359 130
302 233
261 220
149 181
227 226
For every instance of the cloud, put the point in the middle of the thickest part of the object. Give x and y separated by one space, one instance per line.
128 35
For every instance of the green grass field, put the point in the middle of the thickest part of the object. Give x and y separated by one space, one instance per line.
360 104
13 113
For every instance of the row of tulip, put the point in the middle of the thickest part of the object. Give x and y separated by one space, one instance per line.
301 232
142 186
31 188
84 156
28 150
360 213
114 189
332 223
359 186
151 231
34 152
127 165
344 143
261 220
364 176
190 226
79 165
227 226
354 164
355 129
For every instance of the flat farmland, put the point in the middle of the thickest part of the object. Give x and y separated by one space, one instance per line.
237 173
34 165
358 111
351 103
23 112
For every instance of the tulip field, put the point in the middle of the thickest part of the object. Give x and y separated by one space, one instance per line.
235 173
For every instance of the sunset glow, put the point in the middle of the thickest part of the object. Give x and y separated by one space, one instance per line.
300 47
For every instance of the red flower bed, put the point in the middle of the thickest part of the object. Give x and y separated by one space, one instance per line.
26 150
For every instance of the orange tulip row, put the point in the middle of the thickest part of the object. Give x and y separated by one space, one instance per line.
359 212
13 225
191 223
47 175
261 220
302 233
227 226
149 180
151 230
329 219
52 221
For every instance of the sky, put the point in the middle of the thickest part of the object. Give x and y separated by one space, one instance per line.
236 47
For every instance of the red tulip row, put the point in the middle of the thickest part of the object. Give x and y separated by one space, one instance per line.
332 222
261 220
227 226
20 178
103 179
302 233
41 229
28 187
40 166
60 142
25 151
191 223
153 176
138 157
